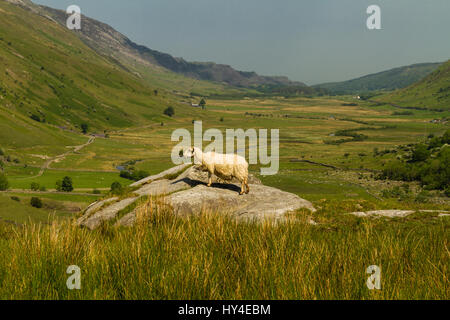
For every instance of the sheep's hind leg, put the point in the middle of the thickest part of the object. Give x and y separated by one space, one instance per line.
242 188
247 187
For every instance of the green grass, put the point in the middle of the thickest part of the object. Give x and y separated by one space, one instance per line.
213 257
81 179
302 136
22 212
433 92
387 80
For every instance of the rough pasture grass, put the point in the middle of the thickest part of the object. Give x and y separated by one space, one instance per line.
55 206
214 257
81 179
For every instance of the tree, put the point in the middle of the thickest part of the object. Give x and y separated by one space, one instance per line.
170 111
4 184
202 103
66 184
59 185
84 128
36 202
116 188
420 153
35 186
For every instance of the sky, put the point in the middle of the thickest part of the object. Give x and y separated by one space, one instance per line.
313 41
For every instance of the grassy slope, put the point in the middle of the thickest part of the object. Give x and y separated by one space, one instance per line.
46 70
433 92
386 80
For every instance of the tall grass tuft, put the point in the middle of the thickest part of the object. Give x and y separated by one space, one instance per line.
212 256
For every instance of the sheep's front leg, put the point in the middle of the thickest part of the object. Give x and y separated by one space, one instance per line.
209 179
242 189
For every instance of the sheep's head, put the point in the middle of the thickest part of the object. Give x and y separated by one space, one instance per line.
189 153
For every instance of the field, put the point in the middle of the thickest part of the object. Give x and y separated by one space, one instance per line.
213 257
310 164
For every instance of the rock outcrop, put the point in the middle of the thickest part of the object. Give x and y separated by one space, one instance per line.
188 194
392 213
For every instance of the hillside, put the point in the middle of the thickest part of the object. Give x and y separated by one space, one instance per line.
50 79
387 80
432 92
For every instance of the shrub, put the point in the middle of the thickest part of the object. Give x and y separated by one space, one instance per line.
170 111
15 198
95 191
430 167
42 188
36 202
58 185
35 186
420 153
4 184
84 128
67 185
134 175
35 117
422 197
403 113
2 153
116 188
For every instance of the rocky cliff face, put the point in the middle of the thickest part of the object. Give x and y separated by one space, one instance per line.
106 41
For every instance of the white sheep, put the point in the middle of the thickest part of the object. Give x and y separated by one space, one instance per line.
224 166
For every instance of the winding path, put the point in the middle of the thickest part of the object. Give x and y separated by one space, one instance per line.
46 165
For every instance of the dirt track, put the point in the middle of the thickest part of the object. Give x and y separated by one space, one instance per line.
47 163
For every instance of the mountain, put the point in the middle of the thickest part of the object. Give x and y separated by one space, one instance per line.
106 40
387 80
432 92
49 79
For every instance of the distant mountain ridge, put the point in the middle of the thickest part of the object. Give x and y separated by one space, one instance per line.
392 79
106 40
